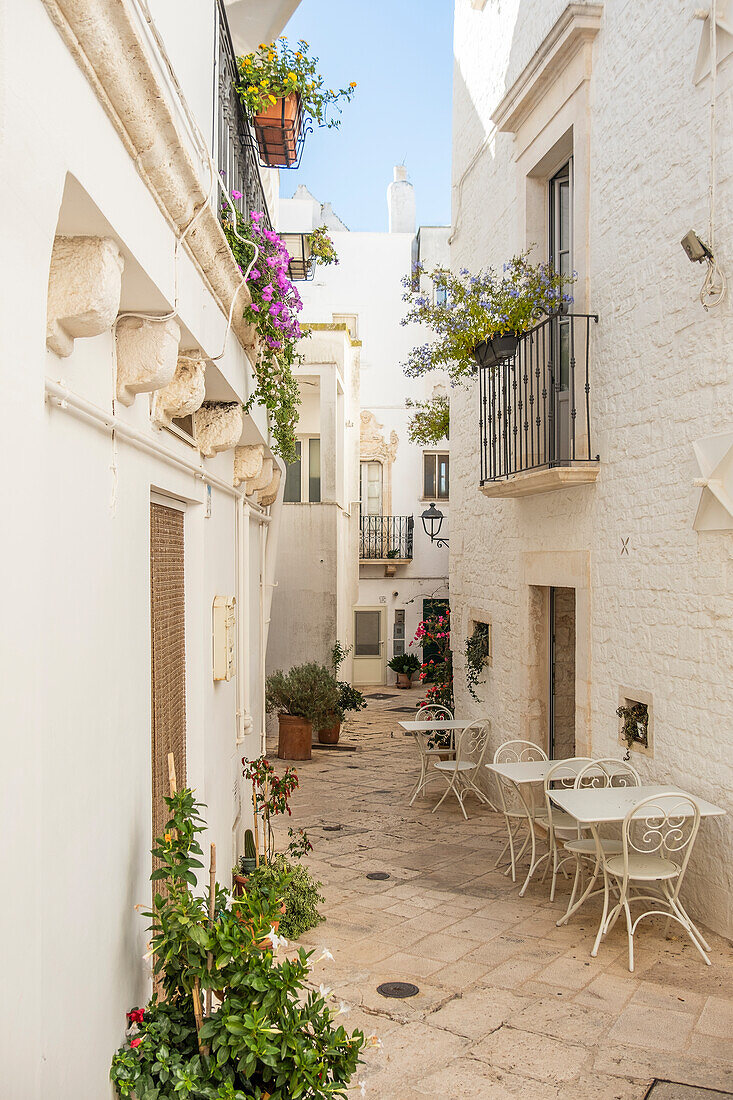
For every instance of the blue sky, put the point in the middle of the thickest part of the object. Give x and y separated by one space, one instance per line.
400 53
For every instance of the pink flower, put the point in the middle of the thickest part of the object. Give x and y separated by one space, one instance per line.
255 309
236 195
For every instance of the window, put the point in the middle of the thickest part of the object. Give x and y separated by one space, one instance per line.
436 476
370 489
366 633
561 253
441 295
480 636
303 477
398 633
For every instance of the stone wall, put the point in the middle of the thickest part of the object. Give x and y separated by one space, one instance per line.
659 615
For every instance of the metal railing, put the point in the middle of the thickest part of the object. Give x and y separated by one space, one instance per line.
535 406
383 537
236 149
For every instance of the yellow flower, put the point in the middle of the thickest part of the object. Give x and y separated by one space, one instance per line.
264 82
292 76
353 84
299 56
262 46
272 99
167 838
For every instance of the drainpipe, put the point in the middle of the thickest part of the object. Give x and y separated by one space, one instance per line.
269 543
244 716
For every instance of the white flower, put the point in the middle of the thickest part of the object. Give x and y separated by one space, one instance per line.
362 1088
325 954
375 1041
325 991
277 941
343 1008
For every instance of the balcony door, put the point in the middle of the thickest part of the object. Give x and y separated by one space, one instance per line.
561 260
371 489
369 645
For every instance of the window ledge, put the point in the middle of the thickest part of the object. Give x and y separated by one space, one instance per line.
534 482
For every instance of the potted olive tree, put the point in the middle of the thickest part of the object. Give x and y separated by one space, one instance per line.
304 698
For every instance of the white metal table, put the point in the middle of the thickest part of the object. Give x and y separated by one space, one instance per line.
595 806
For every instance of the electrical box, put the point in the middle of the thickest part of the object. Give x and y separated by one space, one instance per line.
223 636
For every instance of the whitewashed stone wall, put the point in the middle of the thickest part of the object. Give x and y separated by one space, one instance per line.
661 616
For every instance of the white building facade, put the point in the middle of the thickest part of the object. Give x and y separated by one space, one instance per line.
591 533
402 575
139 561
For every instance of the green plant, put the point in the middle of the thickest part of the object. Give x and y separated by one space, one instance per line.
250 851
394 553
299 891
299 845
430 422
475 655
270 795
272 1034
321 246
350 698
307 691
339 655
275 304
632 717
273 71
475 308
406 663
435 632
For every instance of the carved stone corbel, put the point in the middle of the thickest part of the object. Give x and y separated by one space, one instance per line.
147 355
185 393
84 287
262 480
268 495
218 426
248 462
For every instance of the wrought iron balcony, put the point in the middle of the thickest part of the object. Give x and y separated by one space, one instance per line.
236 147
535 410
386 538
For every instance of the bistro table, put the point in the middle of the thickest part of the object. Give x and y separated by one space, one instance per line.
433 725
524 774
595 806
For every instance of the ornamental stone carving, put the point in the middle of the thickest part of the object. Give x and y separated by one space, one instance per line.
84 286
218 426
268 495
262 480
185 393
147 355
248 462
373 443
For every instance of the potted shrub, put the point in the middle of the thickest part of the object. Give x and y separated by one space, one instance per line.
404 665
479 318
247 863
277 86
264 1033
304 698
350 698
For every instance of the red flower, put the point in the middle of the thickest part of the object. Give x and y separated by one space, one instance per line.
135 1043
136 1016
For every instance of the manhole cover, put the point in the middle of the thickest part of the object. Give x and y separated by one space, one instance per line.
671 1090
397 989
380 875
378 695
402 710
332 828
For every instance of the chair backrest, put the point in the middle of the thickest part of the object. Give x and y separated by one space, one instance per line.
517 752
432 713
665 825
563 774
472 742
620 773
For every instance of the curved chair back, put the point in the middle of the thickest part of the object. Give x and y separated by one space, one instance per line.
433 712
663 825
472 742
563 775
608 771
517 752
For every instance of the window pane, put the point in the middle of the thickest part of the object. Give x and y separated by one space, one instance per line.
443 477
371 488
429 476
366 639
292 479
314 470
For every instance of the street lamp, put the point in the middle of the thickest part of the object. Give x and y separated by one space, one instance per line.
432 521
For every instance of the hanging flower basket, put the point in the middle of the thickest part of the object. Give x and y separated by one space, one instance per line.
484 354
505 345
278 130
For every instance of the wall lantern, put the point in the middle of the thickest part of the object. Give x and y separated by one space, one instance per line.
432 521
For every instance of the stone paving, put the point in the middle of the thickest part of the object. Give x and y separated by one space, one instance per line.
509 1004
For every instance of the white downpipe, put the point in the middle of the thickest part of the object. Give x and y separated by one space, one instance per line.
264 533
244 677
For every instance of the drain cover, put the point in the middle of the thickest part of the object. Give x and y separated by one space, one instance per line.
670 1090
397 989
378 875
331 828
379 695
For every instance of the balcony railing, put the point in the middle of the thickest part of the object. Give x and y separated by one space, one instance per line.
535 407
236 148
386 537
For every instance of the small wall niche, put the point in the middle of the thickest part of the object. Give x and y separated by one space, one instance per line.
642 718
481 635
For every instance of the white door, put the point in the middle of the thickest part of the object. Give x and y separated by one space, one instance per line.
369 647
371 488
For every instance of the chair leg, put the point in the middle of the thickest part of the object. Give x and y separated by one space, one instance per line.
601 926
629 933
421 781
451 787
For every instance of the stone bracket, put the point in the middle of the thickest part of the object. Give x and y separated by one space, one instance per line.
147 355
248 462
185 393
84 287
268 495
218 426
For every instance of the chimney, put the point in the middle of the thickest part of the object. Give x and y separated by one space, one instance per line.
401 202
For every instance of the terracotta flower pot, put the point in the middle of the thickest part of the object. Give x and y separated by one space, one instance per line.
404 680
296 736
330 734
277 129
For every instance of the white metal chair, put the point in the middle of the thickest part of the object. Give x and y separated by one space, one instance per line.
658 836
561 826
515 811
605 772
427 751
460 773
